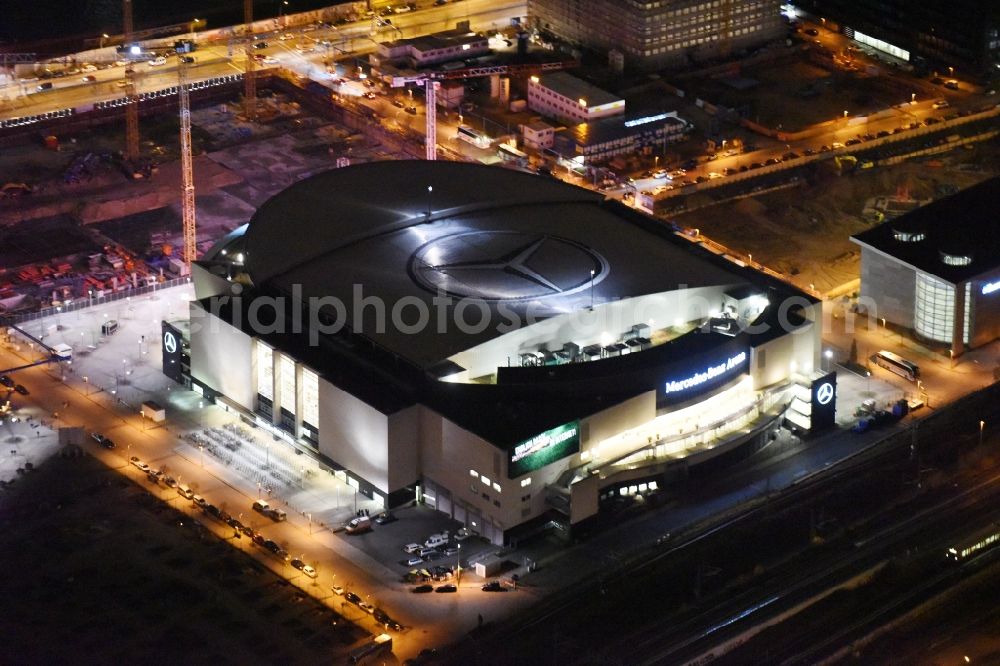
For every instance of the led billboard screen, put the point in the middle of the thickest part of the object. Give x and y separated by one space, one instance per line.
544 448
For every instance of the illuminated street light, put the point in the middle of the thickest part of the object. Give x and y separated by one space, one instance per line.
982 424
582 102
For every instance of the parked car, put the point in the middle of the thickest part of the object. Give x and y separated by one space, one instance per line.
184 491
89 78
353 598
414 561
494 586
359 525
102 440
138 464
20 389
170 481
462 534
338 590
199 501
450 587
422 589
309 571
156 62
412 548
297 563
366 607
6 381
385 518
412 110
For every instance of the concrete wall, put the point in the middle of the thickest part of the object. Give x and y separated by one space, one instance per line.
613 420
354 434
222 357
890 285
404 447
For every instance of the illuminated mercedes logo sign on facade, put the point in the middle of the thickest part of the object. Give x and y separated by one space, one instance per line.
824 393
169 342
506 266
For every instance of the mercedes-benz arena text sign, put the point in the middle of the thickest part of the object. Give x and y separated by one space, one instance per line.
713 373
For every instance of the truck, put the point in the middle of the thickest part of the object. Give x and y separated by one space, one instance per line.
379 645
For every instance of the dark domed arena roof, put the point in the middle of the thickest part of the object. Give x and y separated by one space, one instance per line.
508 239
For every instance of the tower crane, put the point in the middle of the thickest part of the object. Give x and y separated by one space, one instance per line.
432 81
187 168
132 105
249 82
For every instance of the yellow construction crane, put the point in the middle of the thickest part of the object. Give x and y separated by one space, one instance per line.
249 82
132 106
187 168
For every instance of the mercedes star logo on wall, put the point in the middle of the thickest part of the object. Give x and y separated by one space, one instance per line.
169 342
824 393
506 266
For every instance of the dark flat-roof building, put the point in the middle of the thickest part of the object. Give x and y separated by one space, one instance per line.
936 270
656 33
623 135
960 33
503 346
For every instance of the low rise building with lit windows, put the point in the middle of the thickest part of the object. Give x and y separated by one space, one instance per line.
435 48
604 139
571 100
509 349
936 270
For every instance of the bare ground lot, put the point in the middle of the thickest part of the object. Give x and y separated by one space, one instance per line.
97 570
804 232
778 99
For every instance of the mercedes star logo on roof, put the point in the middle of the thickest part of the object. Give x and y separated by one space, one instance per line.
506 265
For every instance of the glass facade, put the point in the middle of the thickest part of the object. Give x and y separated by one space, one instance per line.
265 371
934 309
310 398
287 384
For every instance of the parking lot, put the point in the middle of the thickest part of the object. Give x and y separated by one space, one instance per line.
414 525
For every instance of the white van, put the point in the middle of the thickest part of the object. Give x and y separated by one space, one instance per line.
184 491
436 540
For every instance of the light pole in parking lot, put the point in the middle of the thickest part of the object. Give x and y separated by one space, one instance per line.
310 516
201 449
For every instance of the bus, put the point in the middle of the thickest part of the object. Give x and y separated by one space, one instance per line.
476 138
373 648
977 543
512 155
896 363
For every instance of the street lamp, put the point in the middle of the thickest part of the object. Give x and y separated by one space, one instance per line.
201 448
982 424
281 7
104 36
913 98
845 113
828 354
592 289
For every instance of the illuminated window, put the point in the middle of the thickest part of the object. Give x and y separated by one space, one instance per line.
473 473
496 486
485 480
526 482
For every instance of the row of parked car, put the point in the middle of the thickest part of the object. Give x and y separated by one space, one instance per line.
380 615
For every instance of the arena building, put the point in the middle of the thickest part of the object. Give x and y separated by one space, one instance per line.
509 349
